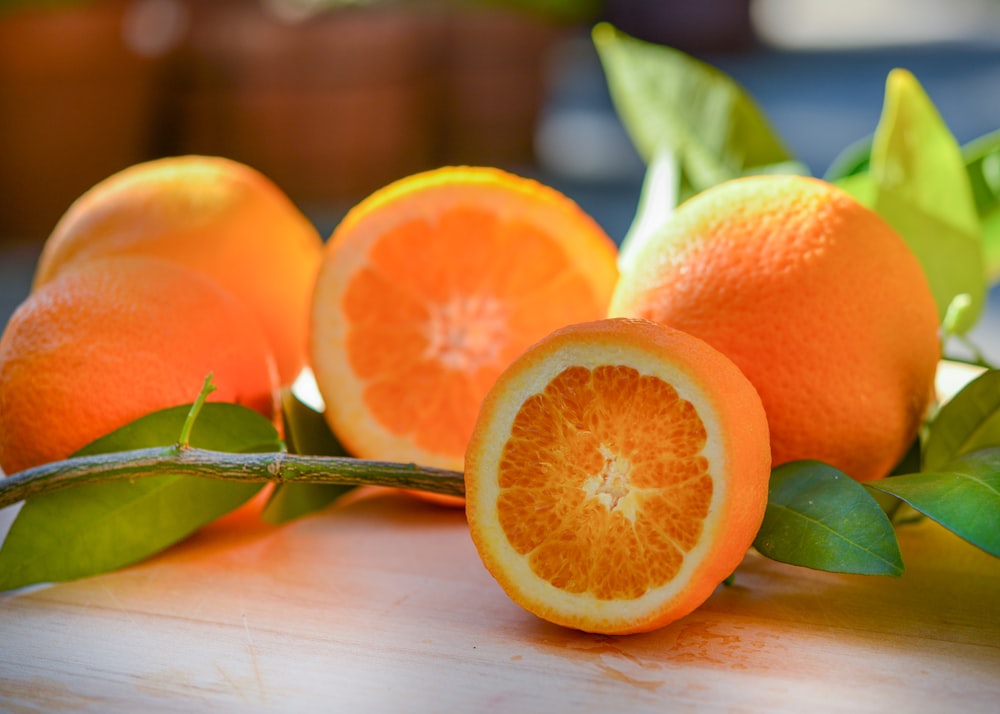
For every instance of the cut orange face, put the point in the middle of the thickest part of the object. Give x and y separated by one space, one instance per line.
617 474
429 288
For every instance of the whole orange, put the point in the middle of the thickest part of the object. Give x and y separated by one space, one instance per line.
113 340
217 216
816 298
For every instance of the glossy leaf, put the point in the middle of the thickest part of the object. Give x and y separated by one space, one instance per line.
307 433
970 420
982 162
99 528
820 518
670 101
964 498
921 187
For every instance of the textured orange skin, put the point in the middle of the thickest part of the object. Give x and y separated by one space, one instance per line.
217 216
593 249
816 298
743 431
113 340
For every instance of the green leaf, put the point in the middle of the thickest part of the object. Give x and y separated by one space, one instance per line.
102 527
970 420
964 498
982 162
818 517
922 189
853 160
670 101
307 433
660 195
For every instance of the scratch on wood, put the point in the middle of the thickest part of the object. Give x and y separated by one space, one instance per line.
117 603
252 649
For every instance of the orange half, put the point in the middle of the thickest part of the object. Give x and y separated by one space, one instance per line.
617 474
429 288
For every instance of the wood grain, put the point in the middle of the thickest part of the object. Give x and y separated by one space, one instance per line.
381 604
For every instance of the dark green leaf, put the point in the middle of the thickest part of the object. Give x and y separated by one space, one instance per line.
964 498
970 420
95 529
921 187
982 161
307 433
670 101
818 517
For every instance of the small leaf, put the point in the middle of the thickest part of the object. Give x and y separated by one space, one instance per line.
661 191
970 420
307 433
964 498
818 517
921 187
982 162
670 101
854 159
102 527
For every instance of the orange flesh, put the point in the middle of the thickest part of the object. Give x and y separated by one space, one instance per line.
603 484
430 332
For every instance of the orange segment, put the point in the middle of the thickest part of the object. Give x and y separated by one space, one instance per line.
429 288
616 474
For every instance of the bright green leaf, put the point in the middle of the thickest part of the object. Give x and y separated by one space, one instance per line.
102 527
969 421
964 498
922 189
818 517
670 101
307 433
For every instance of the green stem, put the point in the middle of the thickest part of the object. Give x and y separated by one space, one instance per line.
279 467
206 388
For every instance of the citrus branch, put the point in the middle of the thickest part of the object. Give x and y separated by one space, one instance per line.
278 467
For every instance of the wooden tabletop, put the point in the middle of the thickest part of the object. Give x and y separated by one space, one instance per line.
380 603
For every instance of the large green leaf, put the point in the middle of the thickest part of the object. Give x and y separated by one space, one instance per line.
818 517
94 529
670 101
964 498
921 187
968 421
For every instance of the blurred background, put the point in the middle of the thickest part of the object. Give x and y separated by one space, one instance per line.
333 99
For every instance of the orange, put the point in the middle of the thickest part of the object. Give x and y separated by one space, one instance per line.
113 340
616 475
429 288
816 298
217 216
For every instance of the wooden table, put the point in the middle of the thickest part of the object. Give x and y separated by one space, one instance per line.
380 604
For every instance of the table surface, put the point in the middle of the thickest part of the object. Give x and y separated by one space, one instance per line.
380 603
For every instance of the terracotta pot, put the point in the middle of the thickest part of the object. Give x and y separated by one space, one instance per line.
77 105
494 84
330 108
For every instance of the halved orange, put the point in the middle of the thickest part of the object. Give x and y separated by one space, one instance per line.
429 288
617 474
